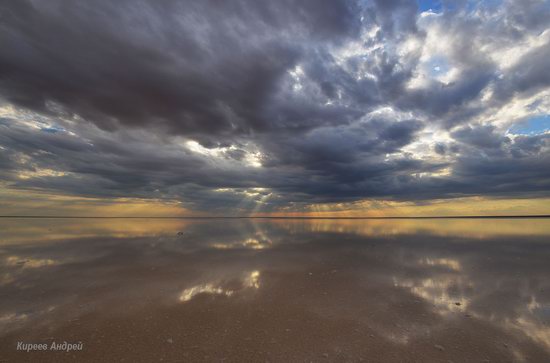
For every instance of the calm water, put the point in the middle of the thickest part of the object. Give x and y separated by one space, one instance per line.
461 290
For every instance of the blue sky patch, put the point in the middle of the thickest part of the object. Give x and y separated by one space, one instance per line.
532 126
425 5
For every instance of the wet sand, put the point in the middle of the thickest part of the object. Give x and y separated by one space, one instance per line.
276 290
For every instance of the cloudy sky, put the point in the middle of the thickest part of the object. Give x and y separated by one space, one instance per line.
324 107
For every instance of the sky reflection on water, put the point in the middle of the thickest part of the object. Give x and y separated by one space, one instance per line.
410 283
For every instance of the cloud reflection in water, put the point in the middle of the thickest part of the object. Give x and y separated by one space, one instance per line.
406 282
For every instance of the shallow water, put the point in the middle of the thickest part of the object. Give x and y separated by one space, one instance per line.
460 290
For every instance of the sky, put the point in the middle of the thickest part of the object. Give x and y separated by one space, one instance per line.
313 107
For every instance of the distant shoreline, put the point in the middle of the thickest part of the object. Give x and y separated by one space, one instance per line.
267 217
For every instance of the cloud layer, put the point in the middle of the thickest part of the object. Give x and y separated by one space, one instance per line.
262 106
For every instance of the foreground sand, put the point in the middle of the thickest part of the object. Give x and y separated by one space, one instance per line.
278 291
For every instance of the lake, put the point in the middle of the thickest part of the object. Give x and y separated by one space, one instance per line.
277 290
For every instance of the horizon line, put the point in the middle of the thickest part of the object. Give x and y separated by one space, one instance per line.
281 217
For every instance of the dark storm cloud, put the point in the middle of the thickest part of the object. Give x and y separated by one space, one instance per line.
528 76
193 67
482 137
103 98
396 17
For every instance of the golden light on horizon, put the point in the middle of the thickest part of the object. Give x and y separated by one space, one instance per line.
37 203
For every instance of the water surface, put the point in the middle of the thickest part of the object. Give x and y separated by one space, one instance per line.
461 290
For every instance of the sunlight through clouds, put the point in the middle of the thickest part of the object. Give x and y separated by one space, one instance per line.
320 108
